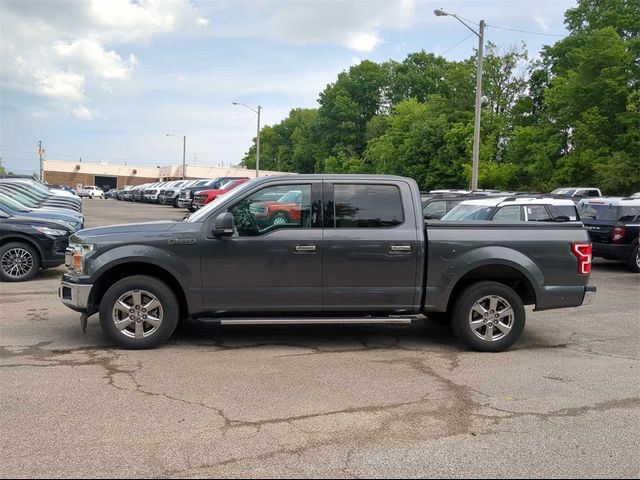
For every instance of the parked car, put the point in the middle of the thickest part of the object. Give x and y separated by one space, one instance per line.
90 191
514 209
28 244
14 207
185 200
40 195
361 253
170 191
577 193
151 192
436 205
110 193
203 197
614 226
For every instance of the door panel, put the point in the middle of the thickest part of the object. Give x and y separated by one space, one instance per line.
370 256
273 263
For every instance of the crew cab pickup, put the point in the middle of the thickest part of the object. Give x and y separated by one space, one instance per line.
358 252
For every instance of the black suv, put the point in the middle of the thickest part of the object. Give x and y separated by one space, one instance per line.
26 244
614 226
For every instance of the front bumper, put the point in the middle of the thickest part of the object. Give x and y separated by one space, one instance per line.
74 295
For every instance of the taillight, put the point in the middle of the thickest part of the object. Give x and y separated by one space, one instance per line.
617 233
582 251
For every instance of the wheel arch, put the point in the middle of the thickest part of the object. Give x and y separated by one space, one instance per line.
120 271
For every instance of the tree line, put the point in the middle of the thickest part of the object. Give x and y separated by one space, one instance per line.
570 117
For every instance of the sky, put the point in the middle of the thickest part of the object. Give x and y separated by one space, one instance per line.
107 80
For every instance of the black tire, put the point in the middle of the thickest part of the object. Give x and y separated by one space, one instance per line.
278 218
28 254
462 314
633 263
169 305
191 209
175 203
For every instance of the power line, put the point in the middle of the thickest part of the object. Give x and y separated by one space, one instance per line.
451 48
526 31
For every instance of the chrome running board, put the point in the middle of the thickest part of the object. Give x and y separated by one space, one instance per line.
314 320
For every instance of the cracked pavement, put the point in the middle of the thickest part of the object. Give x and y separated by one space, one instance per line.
318 401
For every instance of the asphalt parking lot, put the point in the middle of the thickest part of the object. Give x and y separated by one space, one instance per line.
312 401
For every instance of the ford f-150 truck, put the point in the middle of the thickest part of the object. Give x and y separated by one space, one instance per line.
359 252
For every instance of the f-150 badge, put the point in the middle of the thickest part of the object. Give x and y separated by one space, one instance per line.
182 241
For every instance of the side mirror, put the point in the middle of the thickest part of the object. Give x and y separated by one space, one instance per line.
223 225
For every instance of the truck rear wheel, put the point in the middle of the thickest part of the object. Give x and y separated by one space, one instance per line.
139 312
488 317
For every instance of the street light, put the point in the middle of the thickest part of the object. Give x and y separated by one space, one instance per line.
257 135
184 149
476 126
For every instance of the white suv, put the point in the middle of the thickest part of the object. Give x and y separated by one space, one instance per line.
91 191
514 209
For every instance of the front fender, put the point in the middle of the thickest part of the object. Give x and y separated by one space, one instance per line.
165 259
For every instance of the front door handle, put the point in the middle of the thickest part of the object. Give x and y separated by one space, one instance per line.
400 249
305 248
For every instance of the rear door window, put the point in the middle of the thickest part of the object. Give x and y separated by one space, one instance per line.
367 206
537 213
510 213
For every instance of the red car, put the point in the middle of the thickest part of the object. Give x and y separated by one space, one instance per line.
202 197
286 209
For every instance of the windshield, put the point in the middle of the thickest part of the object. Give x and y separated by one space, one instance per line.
567 192
29 200
201 214
468 212
12 204
227 185
294 196
608 212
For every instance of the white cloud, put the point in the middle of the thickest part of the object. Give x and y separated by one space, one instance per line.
63 86
202 21
90 56
59 49
364 42
355 25
543 23
83 113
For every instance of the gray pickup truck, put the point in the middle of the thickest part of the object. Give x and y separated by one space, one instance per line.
303 249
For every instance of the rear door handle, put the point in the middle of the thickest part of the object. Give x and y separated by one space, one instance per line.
400 249
305 248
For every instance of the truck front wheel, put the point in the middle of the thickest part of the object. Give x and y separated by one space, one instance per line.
139 312
488 317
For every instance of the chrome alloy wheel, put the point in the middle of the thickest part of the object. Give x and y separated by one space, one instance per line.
137 314
16 262
279 221
491 318
638 258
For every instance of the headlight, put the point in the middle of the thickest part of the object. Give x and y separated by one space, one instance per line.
51 231
76 255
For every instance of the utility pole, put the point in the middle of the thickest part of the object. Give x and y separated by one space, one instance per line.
41 160
258 145
476 123
184 153
257 135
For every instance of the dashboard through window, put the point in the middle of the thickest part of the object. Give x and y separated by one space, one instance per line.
273 208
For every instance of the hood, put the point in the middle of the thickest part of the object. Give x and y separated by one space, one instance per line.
146 227
40 222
